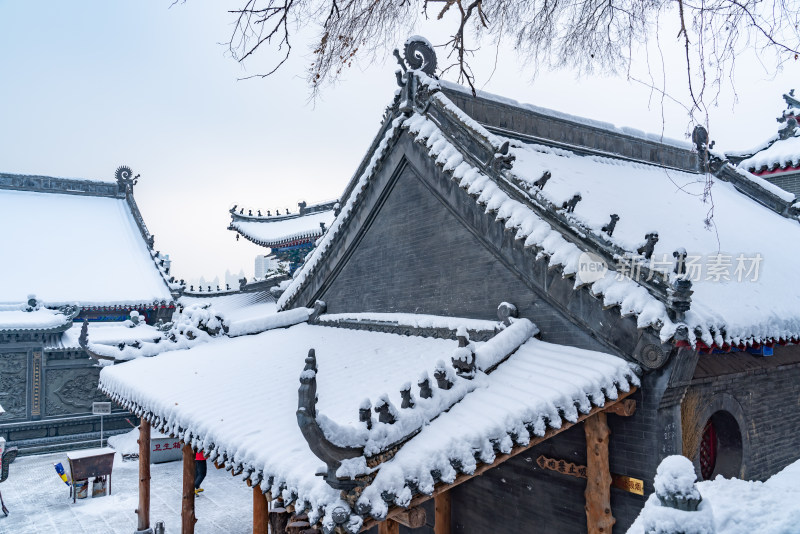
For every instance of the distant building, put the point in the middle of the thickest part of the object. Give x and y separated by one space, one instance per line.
289 236
73 250
263 264
777 160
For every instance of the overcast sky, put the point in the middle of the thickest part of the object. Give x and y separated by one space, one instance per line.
86 86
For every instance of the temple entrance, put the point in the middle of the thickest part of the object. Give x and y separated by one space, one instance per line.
721 447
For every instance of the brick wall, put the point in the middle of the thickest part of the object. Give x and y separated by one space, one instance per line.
417 257
765 400
788 181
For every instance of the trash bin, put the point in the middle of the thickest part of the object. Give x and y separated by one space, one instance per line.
81 488
99 487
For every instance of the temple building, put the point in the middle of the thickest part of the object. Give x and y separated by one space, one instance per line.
562 320
73 251
289 236
777 160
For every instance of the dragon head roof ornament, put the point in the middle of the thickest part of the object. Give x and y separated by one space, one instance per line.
125 178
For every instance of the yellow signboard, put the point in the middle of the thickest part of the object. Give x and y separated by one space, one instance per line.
632 485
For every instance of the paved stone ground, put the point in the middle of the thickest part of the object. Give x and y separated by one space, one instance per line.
39 501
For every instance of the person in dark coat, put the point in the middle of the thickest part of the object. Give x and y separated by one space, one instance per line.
200 469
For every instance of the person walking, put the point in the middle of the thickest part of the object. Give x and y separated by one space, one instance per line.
200 469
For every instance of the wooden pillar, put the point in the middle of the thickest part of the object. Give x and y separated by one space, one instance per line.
388 527
598 476
144 476
278 519
260 511
441 503
187 506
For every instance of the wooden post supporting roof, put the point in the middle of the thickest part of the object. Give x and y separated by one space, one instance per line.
143 511
389 527
441 504
500 458
260 511
187 506
598 476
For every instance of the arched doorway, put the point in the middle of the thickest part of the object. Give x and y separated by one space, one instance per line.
721 447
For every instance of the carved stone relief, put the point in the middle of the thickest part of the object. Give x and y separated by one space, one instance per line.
13 384
70 391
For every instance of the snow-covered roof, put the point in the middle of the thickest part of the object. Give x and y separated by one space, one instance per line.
651 199
19 317
576 119
779 154
744 248
284 231
243 413
70 247
235 306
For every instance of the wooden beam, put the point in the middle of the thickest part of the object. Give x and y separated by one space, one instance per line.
187 506
412 517
625 408
389 527
500 458
598 477
441 504
143 511
260 512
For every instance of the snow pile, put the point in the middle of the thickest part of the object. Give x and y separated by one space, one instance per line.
268 321
190 326
102 258
268 232
111 333
127 444
235 306
676 507
736 506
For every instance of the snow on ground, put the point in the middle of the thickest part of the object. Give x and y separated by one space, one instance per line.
39 501
745 507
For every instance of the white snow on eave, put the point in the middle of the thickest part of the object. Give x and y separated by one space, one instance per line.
41 319
523 398
69 249
281 231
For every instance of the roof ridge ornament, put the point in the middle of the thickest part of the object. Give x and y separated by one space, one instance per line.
418 54
125 178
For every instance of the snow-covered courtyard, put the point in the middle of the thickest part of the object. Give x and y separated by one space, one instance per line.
38 501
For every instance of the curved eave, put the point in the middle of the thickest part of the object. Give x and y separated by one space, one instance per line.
776 168
52 330
297 239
